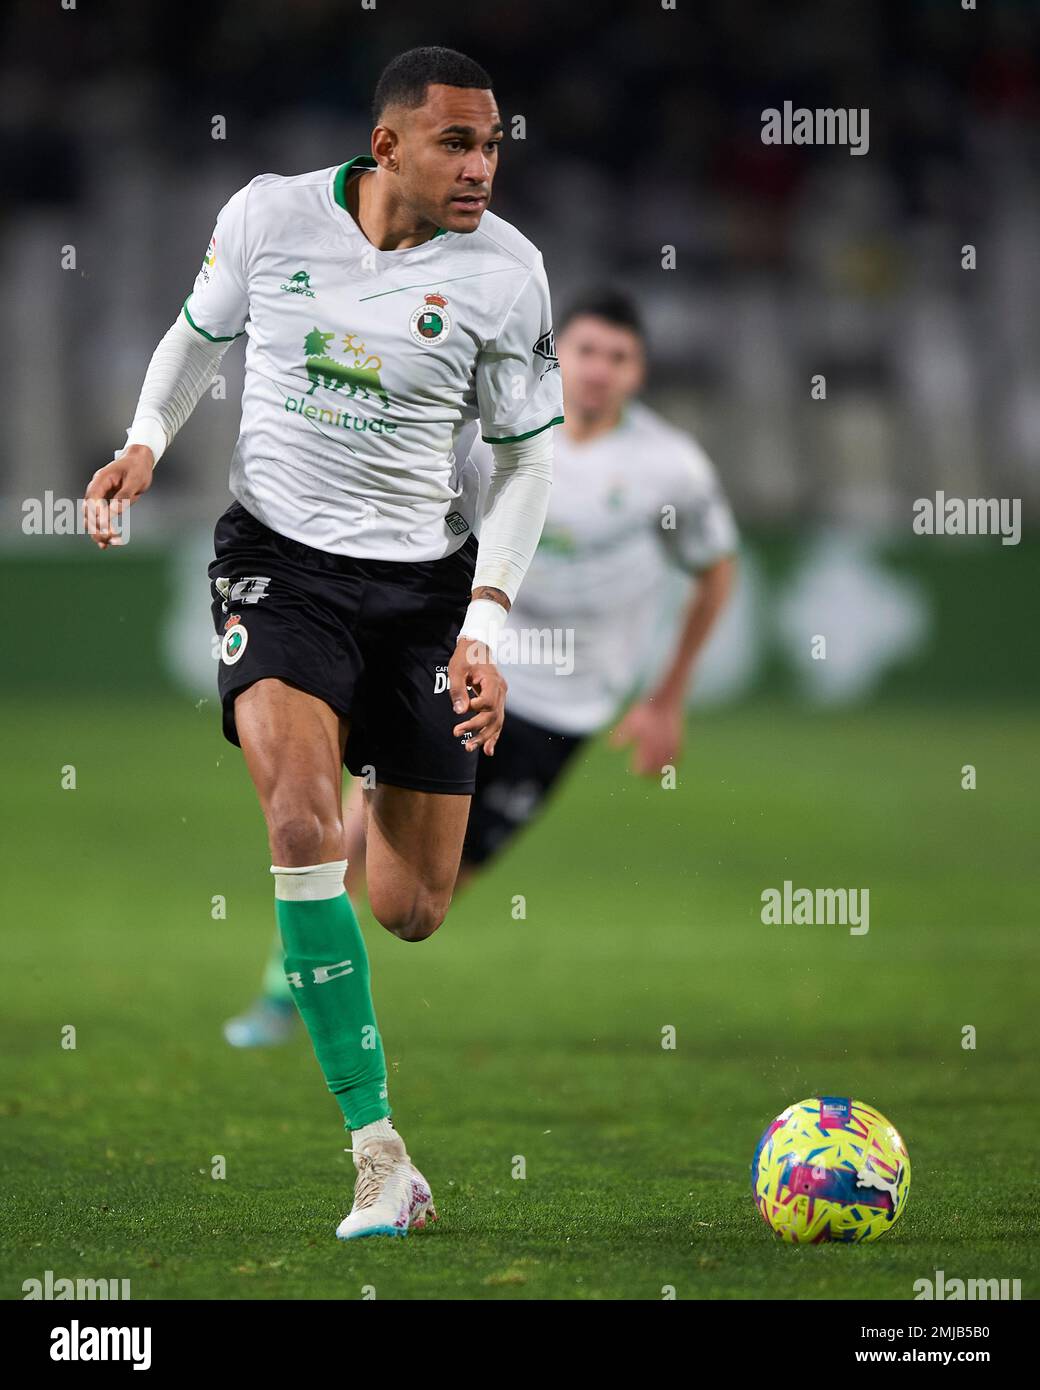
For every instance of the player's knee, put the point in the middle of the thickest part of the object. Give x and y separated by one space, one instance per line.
412 919
304 836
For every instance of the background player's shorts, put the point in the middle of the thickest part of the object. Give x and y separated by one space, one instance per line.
372 638
512 785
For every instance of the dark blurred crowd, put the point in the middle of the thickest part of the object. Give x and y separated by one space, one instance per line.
641 130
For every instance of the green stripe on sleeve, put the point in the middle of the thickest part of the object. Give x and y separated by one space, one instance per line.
212 337
516 438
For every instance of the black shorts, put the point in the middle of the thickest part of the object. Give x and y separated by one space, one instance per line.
372 638
512 785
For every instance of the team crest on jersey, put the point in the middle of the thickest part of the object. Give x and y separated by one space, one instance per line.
233 647
431 322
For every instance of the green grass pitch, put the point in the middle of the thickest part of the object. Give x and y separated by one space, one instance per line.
538 1038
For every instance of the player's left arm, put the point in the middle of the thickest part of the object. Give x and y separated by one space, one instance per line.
702 540
520 399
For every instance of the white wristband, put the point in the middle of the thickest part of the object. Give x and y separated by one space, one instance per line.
149 431
483 622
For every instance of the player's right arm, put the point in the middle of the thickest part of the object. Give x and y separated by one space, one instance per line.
182 366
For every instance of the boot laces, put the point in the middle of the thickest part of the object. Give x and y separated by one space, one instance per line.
373 1172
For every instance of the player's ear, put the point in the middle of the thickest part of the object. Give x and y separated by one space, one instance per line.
385 144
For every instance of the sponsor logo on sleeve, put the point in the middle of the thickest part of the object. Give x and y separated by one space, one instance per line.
209 261
545 348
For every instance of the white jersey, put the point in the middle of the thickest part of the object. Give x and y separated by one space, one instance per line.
623 507
366 370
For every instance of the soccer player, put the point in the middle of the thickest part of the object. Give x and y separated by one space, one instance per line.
632 495
386 313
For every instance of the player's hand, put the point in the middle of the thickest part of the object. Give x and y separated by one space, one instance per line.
478 689
654 728
114 488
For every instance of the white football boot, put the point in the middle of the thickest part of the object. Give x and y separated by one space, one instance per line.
421 1206
390 1193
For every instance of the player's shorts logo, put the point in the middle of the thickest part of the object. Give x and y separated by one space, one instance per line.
440 680
235 591
233 646
431 323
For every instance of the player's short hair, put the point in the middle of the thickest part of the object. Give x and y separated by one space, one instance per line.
404 80
611 305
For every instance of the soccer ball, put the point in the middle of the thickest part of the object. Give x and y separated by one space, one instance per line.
830 1168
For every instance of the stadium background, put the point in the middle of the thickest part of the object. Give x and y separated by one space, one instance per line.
642 130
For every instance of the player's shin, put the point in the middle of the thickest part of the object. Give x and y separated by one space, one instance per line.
326 966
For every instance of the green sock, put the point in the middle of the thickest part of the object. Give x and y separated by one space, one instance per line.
275 986
326 966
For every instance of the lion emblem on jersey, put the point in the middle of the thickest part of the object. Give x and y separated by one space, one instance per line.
360 376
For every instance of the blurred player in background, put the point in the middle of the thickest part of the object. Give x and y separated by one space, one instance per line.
632 495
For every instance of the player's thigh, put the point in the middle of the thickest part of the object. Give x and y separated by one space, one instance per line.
514 787
293 746
413 843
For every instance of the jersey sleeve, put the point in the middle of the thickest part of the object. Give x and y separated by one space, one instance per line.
218 305
518 377
698 527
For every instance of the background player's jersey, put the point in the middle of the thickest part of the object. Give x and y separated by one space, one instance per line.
367 370
624 507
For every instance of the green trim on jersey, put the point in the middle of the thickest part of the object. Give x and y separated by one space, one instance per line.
516 438
339 187
213 338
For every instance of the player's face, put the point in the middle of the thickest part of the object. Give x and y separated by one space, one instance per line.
447 154
601 364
